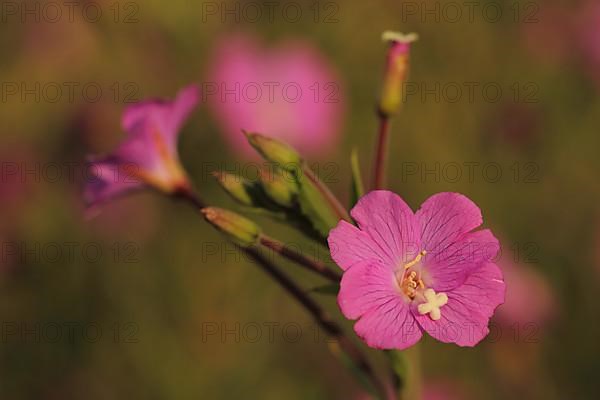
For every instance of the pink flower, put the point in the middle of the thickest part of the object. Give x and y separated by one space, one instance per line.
547 34
148 156
405 272
529 297
290 93
443 390
588 35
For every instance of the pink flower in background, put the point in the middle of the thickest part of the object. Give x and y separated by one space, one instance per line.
529 297
405 272
436 390
547 33
148 156
443 390
588 34
290 92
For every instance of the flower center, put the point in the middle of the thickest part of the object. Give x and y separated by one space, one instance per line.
410 279
412 285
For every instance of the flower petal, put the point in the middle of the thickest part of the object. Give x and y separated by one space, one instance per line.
349 245
390 224
109 182
364 287
464 319
391 326
164 117
448 268
444 218
368 291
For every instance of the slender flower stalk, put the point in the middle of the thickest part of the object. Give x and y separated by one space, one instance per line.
381 152
309 263
333 201
321 317
392 94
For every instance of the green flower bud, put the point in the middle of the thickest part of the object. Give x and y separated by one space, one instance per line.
236 186
280 188
396 71
240 229
275 151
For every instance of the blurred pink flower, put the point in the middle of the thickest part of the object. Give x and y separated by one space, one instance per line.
290 92
407 273
442 390
148 156
529 297
547 33
18 179
588 36
432 390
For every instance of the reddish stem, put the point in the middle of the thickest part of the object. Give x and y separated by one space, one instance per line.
320 316
379 180
309 263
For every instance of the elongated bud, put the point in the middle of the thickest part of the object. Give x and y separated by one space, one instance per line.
396 71
275 151
280 188
235 186
240 229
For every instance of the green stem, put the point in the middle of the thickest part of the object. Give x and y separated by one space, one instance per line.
333 201
413 379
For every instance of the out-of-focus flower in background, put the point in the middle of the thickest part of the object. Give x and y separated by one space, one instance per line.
15 186
520 326
587 27
17 191
529 297
517 125
290 92
433 390
443 390
148 157
547 33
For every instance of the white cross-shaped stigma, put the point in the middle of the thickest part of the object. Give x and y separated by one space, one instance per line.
433 304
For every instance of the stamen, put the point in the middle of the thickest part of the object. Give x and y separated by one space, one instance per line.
411 280
416 260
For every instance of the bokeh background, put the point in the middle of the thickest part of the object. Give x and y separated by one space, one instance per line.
145 301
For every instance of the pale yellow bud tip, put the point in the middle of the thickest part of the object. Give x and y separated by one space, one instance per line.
391 36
